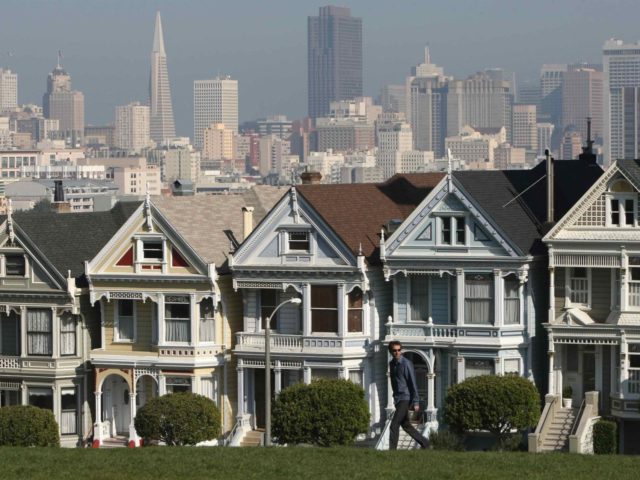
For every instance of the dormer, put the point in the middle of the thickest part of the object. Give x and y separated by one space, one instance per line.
150 253
621 204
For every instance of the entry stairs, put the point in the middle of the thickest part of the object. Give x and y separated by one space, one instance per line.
557 436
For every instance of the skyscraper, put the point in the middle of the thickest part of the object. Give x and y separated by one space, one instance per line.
525 129
621 99
214 101
162 126
65 105
132 127
8 90
582 98
334 58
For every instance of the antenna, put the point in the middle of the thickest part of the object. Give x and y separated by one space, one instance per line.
59 60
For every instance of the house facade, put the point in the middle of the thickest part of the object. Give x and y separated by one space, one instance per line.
594 313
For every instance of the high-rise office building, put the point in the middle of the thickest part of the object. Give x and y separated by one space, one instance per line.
214 101
551 77
162 125
334 58
8 89
65 105
428 106
621 99
132 127
219 143
525 130
582 91
545 132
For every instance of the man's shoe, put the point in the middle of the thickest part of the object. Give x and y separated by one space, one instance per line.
425 446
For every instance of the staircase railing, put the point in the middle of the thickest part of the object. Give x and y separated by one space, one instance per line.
383 440
231 440
551 406
581 438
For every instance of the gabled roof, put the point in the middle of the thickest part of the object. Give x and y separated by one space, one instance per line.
357 212
523 218
67 240
632 169
201 220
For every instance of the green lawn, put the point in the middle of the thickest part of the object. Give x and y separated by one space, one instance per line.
303 463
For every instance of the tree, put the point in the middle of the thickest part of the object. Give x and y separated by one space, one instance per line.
28 426
179 419
323 413
498 404
42 206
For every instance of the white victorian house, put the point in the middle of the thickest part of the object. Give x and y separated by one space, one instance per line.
594 309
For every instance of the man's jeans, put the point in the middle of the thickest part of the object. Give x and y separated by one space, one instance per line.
401 418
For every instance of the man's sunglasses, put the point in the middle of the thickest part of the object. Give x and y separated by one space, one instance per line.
396 350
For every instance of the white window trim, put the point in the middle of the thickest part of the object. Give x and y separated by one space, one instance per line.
191 321
410 305
567 287
116 323
284 242
621 197
453 224
139 259
3 265
345 312
627 292
504 299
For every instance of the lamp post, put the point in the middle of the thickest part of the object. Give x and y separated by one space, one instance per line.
267 368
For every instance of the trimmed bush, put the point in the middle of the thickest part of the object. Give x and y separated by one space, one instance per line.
605 437
323 413
445 440
179 419
28 426
495 403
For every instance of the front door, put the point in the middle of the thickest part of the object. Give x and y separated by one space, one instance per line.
588 371
116 408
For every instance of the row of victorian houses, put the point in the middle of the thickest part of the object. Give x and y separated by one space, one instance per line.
534 272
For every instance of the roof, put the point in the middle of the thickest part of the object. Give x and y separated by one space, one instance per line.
67 240
524 220
357 212
201 220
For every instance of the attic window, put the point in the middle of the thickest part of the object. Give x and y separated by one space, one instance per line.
298 241
152 250
622 210
14 265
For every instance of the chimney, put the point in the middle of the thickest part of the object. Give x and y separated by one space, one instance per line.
58 193
247 222
310 178
550 182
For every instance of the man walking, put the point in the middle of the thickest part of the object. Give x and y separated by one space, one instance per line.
405 395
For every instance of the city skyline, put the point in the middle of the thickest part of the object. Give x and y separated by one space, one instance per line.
267 56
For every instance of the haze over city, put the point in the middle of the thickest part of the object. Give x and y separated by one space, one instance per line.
106 45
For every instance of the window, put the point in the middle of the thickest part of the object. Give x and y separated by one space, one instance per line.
41 398
268 303
474 367
14 265
511 300
10 334
209 388
39 331
10 396
511 365
152 250
67 334
634 282
125 325
68 404
178 384
420 298
634 368
207 321
299 241
324 308
579 286
354 314
453 300
478 299
177 314
356 376
453 231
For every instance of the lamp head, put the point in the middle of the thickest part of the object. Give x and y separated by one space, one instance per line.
296 301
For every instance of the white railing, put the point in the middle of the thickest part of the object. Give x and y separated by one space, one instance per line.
551 407
581 440
277 340
634 294
428 330
9 362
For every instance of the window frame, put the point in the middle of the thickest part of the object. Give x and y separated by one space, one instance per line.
73 331
516 280
354 308
24 265
622 211
491 299
325 309
451 225
186 320
569 276
134 323
412 287
306 241
40 332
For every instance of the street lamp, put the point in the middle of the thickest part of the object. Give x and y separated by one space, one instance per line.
267 368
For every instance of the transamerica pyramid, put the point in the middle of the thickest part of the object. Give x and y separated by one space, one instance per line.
162 125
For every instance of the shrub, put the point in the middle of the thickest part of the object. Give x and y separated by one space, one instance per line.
495 403
323 413
28 426
179 419
445 440
605 437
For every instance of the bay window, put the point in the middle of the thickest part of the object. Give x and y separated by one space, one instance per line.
41 398
207 320
39 331
354 311
478 299
269 300
177 315
10 334
420 298
68 418
474 367
125 324
324 308
67 334
511 300
579 288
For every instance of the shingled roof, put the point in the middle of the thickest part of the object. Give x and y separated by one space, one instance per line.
523 219
357 212
202 220
67 240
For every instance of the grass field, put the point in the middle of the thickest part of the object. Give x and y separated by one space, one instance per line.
303 463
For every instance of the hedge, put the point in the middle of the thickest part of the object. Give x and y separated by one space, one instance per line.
28 426
605 437
183 418
324 413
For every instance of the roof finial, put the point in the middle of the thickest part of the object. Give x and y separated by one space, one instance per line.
360 249
12 235
147 210
449 168
383 249
294 205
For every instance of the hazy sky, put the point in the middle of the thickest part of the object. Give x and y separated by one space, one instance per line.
107 44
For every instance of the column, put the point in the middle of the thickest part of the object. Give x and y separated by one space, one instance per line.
552 295
193 319
23 331
55 333
97 426
390 404
240 389
344 373
306 309
342 311
431 407
624 265
598 361
161 325
460 295
134 440
277 377
498 297
551 373
306 375
624 373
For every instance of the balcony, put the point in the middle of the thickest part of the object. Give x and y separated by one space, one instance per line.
446 335
202 355
299 344
34 364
